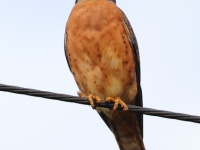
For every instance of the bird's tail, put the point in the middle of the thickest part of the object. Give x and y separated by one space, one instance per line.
125 127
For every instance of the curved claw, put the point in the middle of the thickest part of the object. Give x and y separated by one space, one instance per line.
91 97
117 101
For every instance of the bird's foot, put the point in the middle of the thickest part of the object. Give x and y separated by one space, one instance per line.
91 97
117 101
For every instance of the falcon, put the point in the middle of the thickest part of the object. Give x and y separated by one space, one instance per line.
103 56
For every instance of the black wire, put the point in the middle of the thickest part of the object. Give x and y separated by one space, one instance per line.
75 99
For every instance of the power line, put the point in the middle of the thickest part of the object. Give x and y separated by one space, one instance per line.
78 100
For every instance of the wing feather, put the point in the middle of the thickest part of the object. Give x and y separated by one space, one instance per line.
135 50
65 50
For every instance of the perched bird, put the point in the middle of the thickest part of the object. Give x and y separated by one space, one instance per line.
103 56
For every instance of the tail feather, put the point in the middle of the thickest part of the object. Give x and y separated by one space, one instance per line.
125 127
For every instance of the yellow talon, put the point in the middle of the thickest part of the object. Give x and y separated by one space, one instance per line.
91 97
117 101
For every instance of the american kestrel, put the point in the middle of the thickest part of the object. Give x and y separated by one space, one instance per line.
103 56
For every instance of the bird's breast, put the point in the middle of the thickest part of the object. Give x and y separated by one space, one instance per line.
99 52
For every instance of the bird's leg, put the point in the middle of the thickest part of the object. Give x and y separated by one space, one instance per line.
91 97
117 101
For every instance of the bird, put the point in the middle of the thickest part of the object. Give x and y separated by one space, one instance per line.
103 55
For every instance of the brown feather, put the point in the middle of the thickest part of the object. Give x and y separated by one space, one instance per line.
103 55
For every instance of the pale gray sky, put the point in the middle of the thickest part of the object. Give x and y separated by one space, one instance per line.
32 56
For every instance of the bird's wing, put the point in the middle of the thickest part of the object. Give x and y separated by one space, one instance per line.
65 50
133 42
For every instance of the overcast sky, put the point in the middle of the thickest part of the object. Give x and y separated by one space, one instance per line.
32 56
